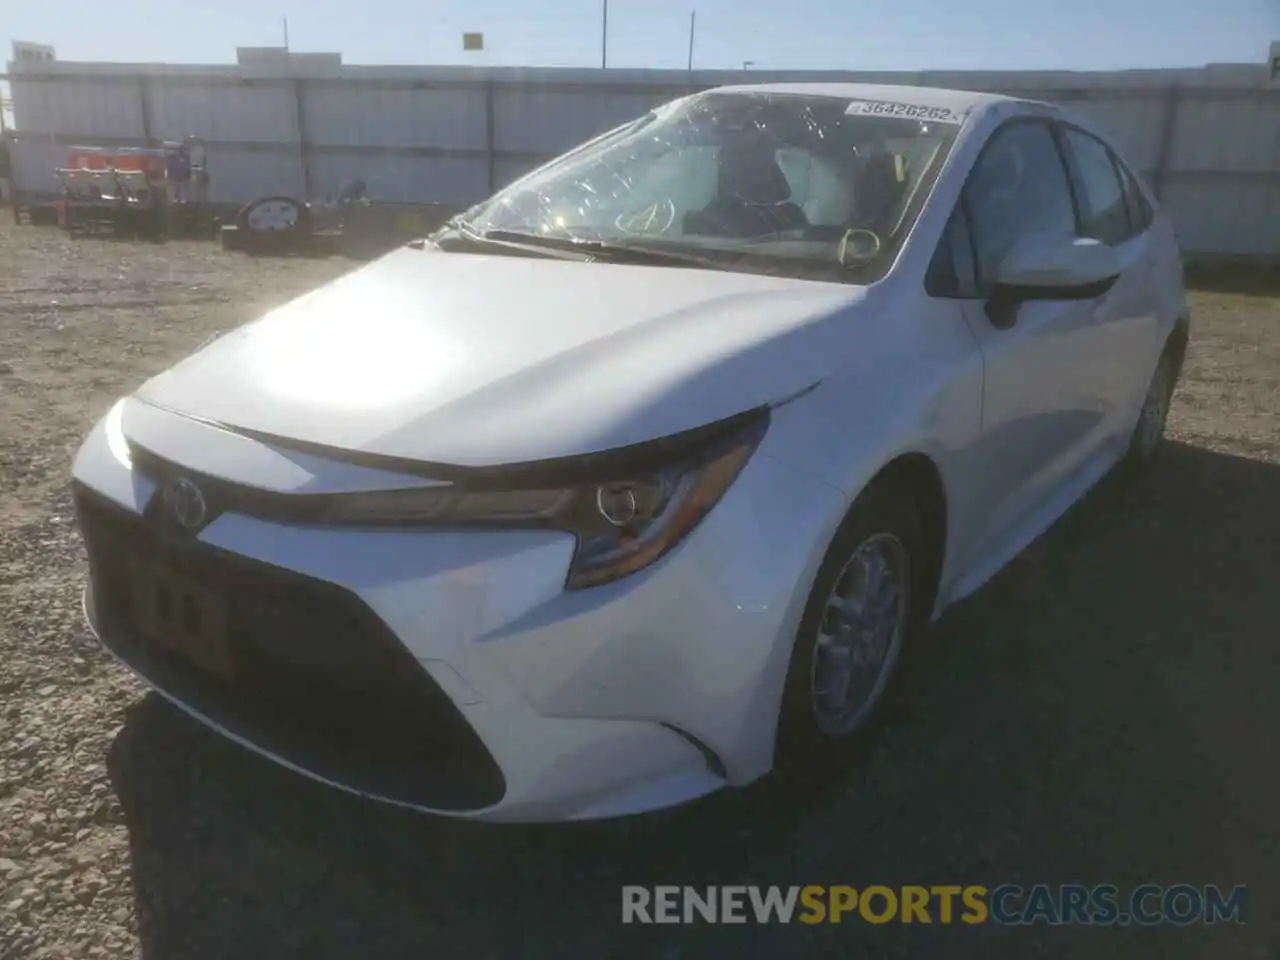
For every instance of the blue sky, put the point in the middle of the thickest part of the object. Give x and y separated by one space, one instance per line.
774 34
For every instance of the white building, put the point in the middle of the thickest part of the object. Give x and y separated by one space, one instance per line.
1207 139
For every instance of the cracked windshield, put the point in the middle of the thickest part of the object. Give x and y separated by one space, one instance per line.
811 183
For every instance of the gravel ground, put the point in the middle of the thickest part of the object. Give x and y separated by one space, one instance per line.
1099 713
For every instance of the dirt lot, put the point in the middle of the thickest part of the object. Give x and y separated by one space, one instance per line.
1105 712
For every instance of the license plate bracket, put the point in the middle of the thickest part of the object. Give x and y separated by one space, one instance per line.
184 616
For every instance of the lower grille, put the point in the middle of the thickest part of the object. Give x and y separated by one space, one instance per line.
318 680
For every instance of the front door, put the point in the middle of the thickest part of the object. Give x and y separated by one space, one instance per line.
1047 381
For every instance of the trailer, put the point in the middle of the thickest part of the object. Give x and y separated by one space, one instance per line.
350 223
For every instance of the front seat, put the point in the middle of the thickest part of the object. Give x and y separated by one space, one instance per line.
753 198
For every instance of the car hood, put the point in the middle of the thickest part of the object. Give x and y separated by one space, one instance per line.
479 360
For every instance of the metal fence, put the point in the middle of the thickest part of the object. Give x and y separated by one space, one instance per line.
1207 140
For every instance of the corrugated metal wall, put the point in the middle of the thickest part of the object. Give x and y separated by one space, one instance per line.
1208 139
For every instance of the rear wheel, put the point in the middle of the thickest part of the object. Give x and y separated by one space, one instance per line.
865 606
1148 433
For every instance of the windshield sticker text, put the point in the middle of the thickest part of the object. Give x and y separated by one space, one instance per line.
910 111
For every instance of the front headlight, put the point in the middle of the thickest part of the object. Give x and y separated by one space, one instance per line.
622 523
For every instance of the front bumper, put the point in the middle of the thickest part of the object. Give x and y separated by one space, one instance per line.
319 680
450 672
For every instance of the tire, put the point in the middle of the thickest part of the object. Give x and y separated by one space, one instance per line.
1148 433
275 224
812 748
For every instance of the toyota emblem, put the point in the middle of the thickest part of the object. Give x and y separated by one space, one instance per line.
184 502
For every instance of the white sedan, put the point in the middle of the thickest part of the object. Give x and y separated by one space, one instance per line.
634 481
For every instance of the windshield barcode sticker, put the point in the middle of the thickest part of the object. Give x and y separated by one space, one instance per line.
908 111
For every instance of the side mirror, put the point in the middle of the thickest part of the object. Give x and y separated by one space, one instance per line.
1051 267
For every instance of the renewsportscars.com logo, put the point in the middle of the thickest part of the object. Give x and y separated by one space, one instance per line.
1057 905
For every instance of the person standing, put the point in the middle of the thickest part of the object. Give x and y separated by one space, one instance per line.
178 171
199 172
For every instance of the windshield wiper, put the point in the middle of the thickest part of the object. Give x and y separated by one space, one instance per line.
607 250
515 243
582 248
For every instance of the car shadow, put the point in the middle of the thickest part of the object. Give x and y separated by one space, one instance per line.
1098 714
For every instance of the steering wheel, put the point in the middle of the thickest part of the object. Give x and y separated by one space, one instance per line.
858 246
643 221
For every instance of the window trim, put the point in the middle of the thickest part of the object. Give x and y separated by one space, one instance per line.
1067 159
1138 223
946 247
1135 189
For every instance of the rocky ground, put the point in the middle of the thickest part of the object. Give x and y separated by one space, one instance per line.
1104 712
80 323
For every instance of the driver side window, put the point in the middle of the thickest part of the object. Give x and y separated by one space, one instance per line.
1018 186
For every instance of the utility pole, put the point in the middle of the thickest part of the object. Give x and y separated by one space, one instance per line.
693 22
604 36
286 32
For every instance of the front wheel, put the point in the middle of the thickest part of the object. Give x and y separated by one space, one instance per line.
865 605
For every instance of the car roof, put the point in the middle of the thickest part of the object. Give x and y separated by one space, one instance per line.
958 101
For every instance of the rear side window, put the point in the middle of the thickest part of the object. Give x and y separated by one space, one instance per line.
1100 193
